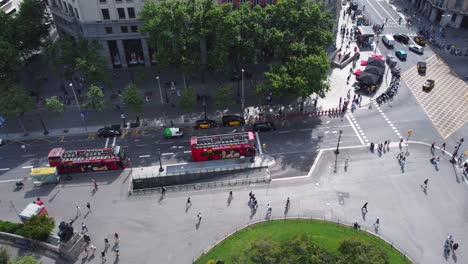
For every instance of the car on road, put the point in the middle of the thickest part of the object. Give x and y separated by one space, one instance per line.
263 126
428 85
422 67
173 132
388 41
417 49
205 123
107 132
401 38
420 41
401 54
391 61
233 120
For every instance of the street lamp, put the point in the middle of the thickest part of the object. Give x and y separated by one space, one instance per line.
454 155
160 91
161 169
337 151
243 99
79 106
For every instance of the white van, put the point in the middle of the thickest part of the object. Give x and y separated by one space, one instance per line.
388 40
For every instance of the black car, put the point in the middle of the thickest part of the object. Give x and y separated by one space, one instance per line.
401 38
108 132
233 120
263 126
205 123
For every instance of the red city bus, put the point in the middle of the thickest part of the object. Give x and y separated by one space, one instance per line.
223 146
87 160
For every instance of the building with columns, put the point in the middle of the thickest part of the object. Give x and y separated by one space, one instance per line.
451 13
115 24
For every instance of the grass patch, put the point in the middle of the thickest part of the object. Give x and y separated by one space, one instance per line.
325 234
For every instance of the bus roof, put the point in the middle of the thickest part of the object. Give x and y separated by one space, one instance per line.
42 171
219 140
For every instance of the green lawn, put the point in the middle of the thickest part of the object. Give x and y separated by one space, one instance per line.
325 234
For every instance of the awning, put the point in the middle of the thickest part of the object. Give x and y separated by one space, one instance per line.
368 78
375 70
376 62
358 72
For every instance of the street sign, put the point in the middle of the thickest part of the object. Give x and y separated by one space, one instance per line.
410 131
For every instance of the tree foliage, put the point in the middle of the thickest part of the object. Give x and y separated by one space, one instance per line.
133 99
95 98
188 99
356 251
38 227
4 256
223 97
54 104
25 260
14 100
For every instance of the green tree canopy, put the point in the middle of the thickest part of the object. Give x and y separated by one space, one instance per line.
14 100
54 104
223 97
38 227
95 98
358 252
133 99
4 256
25 260
188 100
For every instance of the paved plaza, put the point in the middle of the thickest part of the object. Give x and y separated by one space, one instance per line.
152 227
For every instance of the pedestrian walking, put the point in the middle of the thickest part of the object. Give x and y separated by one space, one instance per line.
163 190
432 146
84 228
385 143
425 184
454 247
78 211
93 249
39 201
188 202
268 209
399 156
364 207
230 193
23 147
88 205
377 222
339 104
250 194
116 237
255 204
287 203
117 253
401 142
388 144
95 184
103 256
199 215
106 244
346 162
443 147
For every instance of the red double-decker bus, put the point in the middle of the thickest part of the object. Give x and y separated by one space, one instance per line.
223 146
87 160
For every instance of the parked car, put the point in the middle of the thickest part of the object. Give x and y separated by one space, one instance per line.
401 38
421 67
420 41
416 49
205 123
233 120
173 132
428 85
107 132
401 54
263 126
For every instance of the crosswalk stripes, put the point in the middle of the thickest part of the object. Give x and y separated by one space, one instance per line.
446 104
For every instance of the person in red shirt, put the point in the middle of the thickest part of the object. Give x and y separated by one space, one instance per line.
39 201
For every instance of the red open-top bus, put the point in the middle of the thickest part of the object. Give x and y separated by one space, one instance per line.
87 160
225 146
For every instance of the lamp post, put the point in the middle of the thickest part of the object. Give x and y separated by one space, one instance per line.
243 99
454 155
337 151
160 91
79 106
161 169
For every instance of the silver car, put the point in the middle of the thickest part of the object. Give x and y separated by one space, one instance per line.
416 49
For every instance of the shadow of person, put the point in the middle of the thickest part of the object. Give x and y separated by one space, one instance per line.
376 228
364 212
454 256
116 260
197 225
402 168
161 198
252 213
84 259
286 210
229 200
93 192
187 207
91 257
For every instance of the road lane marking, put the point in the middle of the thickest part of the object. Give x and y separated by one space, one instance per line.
167 154
355 130
124 133
390 16
368 2
28 155
27 167
62 139
259 145
144 156
4 169
188 151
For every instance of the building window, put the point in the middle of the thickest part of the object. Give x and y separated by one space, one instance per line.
121 13
131 12
134 28
124 29
102 1
268 2
66 7
105 14
76 13
118 1
257 2
129 1
108 30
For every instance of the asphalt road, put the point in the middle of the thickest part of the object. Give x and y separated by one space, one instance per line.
294 145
